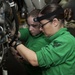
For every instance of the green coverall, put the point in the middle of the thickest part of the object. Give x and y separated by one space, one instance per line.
34 43
58 57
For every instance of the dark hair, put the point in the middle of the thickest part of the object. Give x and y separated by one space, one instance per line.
34 13
51 11
68 14
53 7
54 10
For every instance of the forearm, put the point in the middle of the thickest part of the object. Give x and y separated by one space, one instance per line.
27 54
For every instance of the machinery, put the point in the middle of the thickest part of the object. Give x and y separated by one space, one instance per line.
8 16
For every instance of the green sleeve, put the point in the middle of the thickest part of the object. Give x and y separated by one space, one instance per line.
24 33
57 52
38 45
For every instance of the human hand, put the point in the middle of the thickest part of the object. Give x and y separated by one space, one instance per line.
15 43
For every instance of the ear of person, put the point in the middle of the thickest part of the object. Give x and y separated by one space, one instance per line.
55 21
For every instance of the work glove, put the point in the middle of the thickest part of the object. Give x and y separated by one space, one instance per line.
16 43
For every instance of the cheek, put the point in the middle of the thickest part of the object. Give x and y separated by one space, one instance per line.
47 30
37 30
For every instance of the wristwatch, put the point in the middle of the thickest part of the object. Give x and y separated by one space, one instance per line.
18 42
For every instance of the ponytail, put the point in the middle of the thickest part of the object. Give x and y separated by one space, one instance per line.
68 14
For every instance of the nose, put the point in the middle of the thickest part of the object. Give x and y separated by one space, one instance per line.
41 29
30 28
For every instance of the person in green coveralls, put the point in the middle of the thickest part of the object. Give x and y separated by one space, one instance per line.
58 57
33 39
